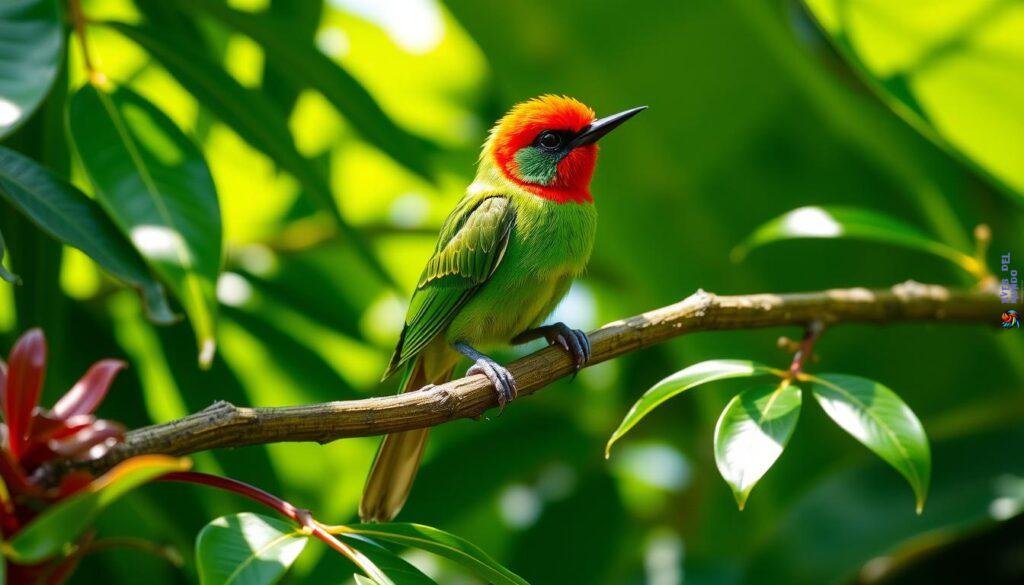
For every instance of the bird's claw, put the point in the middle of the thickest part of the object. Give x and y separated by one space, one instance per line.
573 341
499 376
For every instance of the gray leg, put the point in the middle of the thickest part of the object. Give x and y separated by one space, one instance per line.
499 376
573 341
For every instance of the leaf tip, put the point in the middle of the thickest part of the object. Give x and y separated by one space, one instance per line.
207 351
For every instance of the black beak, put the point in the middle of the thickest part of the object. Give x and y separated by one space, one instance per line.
598 128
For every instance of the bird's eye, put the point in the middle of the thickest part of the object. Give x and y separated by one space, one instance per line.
549 140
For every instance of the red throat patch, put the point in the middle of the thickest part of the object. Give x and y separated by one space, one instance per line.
521 126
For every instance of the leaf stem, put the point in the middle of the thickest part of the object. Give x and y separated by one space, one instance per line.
812 333
78 20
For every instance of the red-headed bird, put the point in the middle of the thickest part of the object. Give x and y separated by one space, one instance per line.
505 257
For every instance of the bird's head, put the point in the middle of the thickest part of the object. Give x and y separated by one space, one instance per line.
548 145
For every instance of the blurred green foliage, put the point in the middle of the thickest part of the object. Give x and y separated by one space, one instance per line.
754 111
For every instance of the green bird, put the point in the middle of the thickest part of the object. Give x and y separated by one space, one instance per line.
505 257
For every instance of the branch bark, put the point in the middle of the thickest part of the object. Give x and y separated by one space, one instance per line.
226 425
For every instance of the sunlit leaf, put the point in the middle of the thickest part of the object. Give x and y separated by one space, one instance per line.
361 580
952 71
879 419
395 567
851 223
443 544
752 432
682 381
253 116
62 523
247 549
157 188
64 212
308 67
31 43
4 274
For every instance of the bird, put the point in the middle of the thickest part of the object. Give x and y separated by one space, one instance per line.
504 258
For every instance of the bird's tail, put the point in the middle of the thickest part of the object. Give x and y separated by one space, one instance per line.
398 458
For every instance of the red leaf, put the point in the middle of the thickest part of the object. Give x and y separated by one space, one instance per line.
90 442
88 393
25 372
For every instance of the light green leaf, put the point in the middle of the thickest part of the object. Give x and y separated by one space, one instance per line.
31 44
155 184
682 381
852 223
951 71
361 580
752 432
395 567
247 549
879 419
67 214
4 274
443 544
252 116
308 67
62 523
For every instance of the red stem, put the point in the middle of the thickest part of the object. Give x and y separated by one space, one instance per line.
811 335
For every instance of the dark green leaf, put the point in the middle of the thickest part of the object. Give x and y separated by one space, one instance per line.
395 567
443 544
309 67
752 432
4 274
682 381
851 223
879 419
247 549
157 188
253 116
67 214
62 523
31 44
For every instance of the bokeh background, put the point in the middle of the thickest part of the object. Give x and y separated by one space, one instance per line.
755 109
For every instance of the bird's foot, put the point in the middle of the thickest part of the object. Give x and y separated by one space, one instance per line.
499 376
573 341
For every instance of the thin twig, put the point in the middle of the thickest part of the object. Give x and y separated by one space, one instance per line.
226 425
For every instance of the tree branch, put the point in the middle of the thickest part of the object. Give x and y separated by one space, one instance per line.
227 425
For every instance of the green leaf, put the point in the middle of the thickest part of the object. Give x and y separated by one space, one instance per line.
443 544
953 74
851 223
155 185
31 44
752 432
62 523
4 274
253 116
879 419
247 549
67 214
395 567
361 580
308 67
682 381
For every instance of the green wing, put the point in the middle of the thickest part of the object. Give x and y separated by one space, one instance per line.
472 242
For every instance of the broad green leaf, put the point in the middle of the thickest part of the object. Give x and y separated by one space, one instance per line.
67 214
879 419
443 544
851 223
62 523
952 70
752 432
308 67
155 184
253 116
395 567
247 549
361 580
682 381
4 274
31 44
